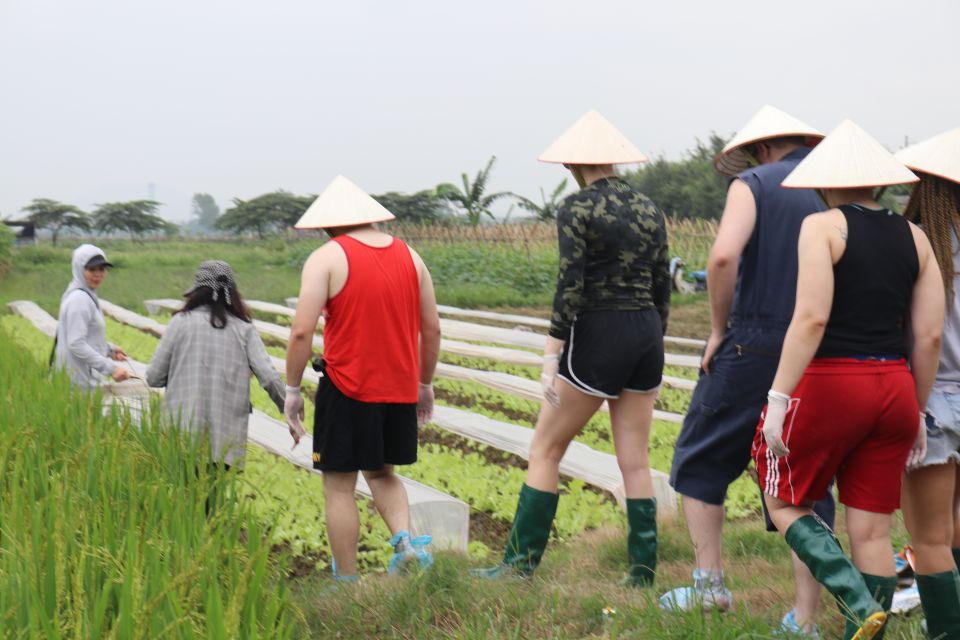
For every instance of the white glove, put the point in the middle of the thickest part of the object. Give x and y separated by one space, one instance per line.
919 450
293 412
548 378
773 422
425 404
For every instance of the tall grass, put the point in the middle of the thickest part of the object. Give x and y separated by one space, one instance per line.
103 531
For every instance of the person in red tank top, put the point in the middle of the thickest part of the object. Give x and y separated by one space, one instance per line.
381 342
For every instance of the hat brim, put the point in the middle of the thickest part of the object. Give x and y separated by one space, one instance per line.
733 161
97 261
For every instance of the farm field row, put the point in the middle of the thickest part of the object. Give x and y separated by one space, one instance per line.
292 500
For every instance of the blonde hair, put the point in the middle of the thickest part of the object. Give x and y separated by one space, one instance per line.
935 206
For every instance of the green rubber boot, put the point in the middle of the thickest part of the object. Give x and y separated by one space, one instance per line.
528 536
641 542
940 597
882 588
820 550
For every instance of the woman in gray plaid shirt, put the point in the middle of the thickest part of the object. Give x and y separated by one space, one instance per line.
205 359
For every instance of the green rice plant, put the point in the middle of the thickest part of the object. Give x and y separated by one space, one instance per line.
104 531
7 241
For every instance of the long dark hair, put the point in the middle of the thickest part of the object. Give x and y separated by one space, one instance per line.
218 308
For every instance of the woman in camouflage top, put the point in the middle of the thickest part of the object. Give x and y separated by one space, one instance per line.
605 343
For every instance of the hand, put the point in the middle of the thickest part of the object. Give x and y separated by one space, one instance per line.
118 354
425 404
773 418
713 344
548 378
919 450
293 412
120 374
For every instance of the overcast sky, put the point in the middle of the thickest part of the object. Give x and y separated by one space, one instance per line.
101 98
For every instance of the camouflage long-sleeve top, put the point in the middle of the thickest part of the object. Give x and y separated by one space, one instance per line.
613 254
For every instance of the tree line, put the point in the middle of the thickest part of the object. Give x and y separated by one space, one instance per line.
684 188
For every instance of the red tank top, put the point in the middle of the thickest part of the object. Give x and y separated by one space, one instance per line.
372 340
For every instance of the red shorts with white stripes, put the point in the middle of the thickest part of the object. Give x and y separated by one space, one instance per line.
855 420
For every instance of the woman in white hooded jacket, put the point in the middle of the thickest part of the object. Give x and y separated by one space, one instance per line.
81 344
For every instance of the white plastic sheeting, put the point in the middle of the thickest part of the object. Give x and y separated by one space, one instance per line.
444 517
508 383
520 387
512 318
531 340
273 330
593 467
497 354
596 468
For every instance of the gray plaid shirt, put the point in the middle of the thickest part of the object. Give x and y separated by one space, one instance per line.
207 375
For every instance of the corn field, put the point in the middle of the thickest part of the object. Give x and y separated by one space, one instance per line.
690 238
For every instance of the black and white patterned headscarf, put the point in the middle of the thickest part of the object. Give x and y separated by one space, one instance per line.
218 275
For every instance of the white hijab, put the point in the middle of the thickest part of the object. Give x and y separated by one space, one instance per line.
81 256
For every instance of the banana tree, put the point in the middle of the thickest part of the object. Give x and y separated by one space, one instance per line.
471 197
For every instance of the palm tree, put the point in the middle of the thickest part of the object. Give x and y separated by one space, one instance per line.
50 214
547 210
471 198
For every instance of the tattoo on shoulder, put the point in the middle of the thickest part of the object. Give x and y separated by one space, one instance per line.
843 232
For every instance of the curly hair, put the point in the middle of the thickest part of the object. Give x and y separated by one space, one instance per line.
935 206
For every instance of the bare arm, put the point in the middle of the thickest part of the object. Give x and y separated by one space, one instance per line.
314 290
736 227
821 245
926 318
429 322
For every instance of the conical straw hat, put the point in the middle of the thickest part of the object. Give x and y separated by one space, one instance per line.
767 123
939 156
592 140
342 204
848 158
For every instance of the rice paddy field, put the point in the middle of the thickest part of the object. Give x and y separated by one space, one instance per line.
103 531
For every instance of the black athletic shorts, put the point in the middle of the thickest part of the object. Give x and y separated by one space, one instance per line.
609 352
349 435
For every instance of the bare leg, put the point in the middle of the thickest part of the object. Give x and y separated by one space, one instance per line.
630 417
705 524
807 591
928 503
956 509
807 587
870 547
390 498
783 514
343 520
556 427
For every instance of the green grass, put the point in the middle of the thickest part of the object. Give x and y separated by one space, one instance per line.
568 595
103 525
464 273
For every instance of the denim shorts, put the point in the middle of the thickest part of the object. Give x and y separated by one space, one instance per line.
713 447
943 428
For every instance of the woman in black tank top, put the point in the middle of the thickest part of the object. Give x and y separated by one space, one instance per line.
931 489
844 403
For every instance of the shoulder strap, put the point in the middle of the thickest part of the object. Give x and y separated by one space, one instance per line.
53 351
